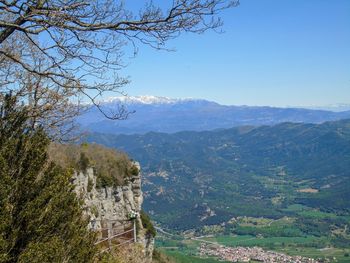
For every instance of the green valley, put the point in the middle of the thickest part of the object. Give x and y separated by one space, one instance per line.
283 187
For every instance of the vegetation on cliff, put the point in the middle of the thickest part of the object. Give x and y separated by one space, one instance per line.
147 224
213 176
112 168
284 187
41 219
160 257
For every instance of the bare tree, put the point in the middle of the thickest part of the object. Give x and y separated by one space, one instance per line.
48 104
54 50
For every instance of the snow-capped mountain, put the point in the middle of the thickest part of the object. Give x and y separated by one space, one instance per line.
147 99
332 107
162 114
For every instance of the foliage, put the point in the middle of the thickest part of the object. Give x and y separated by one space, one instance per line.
147 224
94 210
56 52
134 170
83 162
41 219
123 254
159 257
340 241
111 167
90 185
251 171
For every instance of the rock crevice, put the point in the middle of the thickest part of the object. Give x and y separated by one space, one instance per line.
109 207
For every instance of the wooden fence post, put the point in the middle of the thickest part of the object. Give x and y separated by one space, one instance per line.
134 230
110 232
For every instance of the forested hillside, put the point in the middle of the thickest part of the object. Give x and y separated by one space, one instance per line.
213 176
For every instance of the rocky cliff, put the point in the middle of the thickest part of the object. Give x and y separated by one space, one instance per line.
109 183
113 206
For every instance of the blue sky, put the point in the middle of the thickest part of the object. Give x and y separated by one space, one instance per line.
273 52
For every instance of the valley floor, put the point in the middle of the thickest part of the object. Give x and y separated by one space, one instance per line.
185 250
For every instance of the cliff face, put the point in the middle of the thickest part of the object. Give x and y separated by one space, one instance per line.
109 207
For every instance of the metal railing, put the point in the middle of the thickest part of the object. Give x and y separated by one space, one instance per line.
116 235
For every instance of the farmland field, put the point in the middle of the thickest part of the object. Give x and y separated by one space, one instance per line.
186 251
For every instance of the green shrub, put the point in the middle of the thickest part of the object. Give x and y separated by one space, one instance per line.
159 257
94 211
112 168
90 185
103 180
41 218
133 170
147 224
84 162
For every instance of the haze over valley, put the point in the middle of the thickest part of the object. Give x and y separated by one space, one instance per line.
276 177
240 152
162 114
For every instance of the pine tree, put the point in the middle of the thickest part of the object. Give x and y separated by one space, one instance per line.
41 218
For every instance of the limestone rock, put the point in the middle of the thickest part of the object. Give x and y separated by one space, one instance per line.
112 206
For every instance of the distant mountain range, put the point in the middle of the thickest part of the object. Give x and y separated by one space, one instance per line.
161 114
199 178
338 107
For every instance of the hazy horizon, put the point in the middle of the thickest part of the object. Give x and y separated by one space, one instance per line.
276 53
331 106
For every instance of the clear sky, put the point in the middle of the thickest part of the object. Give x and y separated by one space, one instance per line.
273 52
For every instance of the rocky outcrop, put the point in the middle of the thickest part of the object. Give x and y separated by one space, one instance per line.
109 207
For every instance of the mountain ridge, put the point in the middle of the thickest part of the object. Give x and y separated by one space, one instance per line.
145 99
152 99
162 114
235 170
